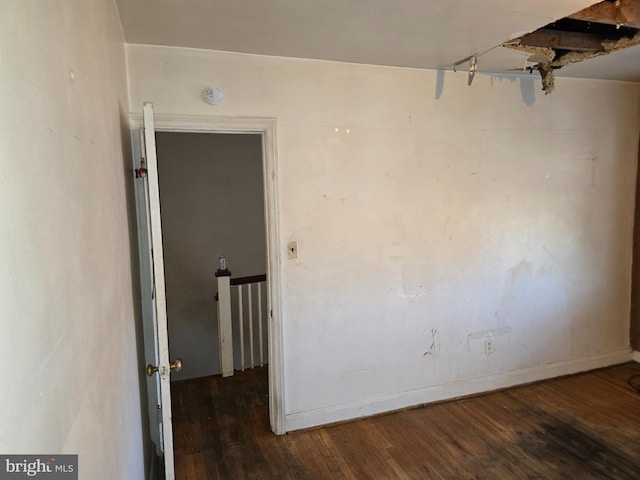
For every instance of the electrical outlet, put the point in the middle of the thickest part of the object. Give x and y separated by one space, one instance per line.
292 250
489 345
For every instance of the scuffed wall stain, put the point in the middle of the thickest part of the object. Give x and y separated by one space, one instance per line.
413 281
553 257
520 276
434 348
517 285
411 296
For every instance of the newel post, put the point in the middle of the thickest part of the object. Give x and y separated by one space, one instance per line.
225 338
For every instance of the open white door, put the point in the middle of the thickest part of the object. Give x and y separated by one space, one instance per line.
154 309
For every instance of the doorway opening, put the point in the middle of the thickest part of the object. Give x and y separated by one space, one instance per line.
212 207
266 129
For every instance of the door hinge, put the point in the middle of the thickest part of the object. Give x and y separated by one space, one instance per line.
142 171
159 412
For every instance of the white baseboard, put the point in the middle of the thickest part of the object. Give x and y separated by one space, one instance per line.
388 403
635 356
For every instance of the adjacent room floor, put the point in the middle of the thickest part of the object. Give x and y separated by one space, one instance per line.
585 426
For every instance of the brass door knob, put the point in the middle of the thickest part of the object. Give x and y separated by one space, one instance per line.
177 366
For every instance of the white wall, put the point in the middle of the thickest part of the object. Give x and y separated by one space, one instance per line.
68 348
212 204
430 215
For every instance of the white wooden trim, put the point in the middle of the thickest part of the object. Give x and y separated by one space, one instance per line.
275 318
207 124
635 356
267 128
435 393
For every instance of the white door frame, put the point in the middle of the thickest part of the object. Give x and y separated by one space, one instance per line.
266 127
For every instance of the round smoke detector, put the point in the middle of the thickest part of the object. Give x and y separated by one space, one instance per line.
212 95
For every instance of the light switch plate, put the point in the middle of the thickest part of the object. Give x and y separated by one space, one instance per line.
292 250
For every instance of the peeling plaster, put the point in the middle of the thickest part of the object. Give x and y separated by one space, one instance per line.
555 62
548 79
608 45
541 54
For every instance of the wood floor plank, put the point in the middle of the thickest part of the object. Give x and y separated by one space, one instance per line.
585 426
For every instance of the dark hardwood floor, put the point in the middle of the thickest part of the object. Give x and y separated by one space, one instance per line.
584 426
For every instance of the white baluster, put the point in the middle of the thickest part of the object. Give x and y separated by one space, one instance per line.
241 329
250 299
260 323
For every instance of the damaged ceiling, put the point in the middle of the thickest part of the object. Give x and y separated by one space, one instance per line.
406 33
600 29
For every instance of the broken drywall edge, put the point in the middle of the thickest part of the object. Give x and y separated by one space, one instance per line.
555 62
546 71
608 45
546 53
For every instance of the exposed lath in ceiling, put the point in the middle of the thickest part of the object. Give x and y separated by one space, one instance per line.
602 28
597 30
